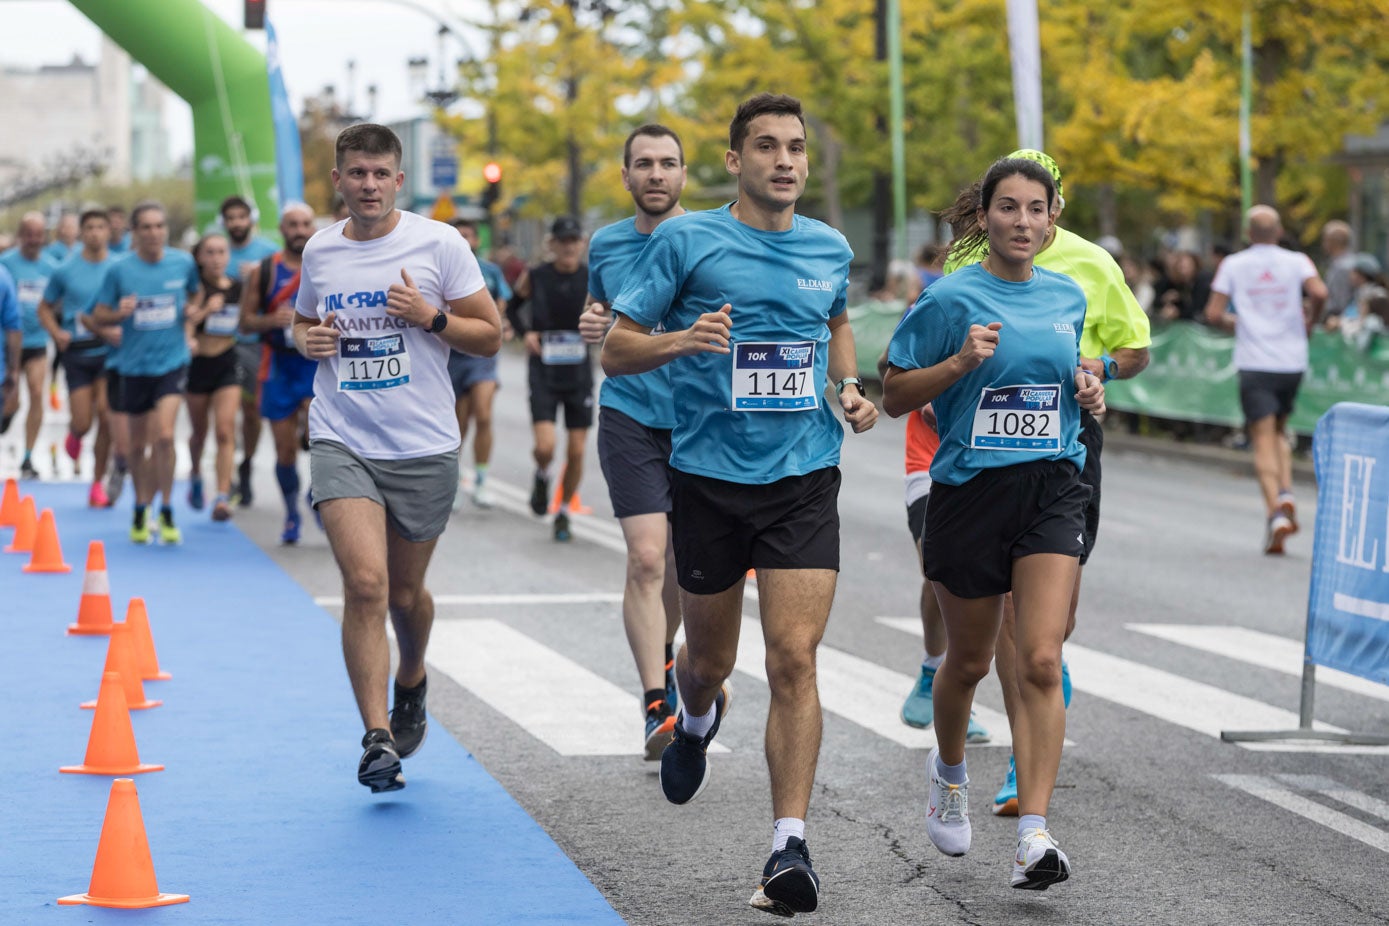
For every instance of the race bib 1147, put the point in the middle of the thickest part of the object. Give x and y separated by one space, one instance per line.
773 376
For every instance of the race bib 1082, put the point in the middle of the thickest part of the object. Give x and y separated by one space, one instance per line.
1023 418
372 363
772 376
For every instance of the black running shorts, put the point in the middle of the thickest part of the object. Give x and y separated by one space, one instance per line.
975 531
1262 394
1092 439
208 374
636 464
81 370
577 400
723 529
137 395
916 522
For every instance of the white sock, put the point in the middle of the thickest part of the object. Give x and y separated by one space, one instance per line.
932 662
564 507
1031 821
784 829
700 725
546 472
951 774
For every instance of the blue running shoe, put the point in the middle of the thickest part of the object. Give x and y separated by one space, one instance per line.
660 728
976 732
672 691
195 493
684 763
917 710
1006 800
789 885
1065 683
290 535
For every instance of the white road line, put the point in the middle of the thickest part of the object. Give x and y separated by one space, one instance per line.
1338 792
1178 700
861 691
335 601
603 531
1269 790
1260 649
547 694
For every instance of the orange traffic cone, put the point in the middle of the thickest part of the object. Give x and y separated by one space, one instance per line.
142 641
94 610
576 505
26 525
123 875
120 658
9 504
111 744
48 552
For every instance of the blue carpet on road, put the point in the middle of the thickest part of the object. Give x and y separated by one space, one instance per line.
258 815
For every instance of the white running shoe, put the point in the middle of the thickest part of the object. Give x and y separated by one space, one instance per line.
1039 862
1279 530
482 495
459 494
947 812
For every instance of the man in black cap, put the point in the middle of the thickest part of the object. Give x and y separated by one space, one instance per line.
550 299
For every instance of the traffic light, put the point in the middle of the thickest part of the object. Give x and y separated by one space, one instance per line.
492 173
255 14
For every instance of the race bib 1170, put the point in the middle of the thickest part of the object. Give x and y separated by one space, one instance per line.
772 376
372 363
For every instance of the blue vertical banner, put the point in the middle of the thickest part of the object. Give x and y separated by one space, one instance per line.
1348 606
289 158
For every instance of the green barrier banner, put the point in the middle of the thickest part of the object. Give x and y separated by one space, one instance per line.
1192 375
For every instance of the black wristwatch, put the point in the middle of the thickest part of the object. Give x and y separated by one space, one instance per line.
440 322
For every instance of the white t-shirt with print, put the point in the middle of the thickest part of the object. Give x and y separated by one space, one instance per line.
387 394
1264 283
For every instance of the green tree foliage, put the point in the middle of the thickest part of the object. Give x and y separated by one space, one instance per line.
1142 97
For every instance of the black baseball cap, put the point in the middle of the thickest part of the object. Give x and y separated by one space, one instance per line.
566 226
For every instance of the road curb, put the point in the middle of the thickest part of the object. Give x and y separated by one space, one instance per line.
1117 438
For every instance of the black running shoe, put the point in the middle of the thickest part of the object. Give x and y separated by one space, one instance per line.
27 471
408 725
660 727
562 532
243 484
379 769
540 495
789 885
684 763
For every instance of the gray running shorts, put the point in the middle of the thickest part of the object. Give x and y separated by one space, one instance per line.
417 494
248 365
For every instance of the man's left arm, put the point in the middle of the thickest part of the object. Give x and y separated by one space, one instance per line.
1123 331
471 326
843 364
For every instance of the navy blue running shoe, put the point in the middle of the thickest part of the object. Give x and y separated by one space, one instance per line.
408 722
379 768
789 885
684 763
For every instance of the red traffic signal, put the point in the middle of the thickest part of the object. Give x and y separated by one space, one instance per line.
255 14
492 172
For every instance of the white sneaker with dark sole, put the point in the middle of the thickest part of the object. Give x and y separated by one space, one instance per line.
1039 862
947 812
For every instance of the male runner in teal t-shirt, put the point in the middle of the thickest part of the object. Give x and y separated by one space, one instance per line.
752 297
635 417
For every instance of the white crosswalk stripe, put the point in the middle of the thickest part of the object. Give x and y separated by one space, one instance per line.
1282 791
1259 649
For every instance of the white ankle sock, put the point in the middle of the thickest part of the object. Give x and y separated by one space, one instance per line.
932 662
700 725
784 829
1031 821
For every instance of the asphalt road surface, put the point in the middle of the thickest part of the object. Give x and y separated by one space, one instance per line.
1185 629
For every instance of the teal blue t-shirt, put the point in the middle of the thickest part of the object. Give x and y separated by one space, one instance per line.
645 397
757 414
58 252
30 278
496 280
152 337
71 291
1017 406
9 312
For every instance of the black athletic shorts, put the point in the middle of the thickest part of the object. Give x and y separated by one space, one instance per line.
916 522
723 529
975 531
1262 394
1092 438
31 353
208 374
82 370
546 399
136 395
636 463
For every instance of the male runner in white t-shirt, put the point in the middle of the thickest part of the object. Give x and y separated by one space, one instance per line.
383 296
1268 284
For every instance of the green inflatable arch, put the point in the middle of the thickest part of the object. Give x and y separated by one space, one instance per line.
222 77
